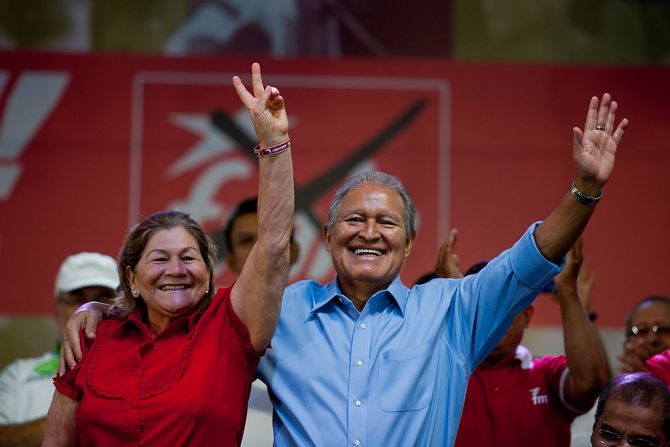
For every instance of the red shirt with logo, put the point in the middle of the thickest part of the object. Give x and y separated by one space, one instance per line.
189 385
519 402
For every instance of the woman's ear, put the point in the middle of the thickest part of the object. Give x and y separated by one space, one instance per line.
132 278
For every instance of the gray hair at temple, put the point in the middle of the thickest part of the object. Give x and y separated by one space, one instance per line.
639 390
379 178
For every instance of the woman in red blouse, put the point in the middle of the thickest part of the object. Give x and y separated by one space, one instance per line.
177 370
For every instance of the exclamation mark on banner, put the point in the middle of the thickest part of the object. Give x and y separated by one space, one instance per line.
29 104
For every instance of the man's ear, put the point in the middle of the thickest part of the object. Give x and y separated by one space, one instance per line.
327 237
294 250
409 243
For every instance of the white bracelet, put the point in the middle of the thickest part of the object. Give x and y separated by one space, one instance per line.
272 150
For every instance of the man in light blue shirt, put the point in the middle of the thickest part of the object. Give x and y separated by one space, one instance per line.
365 360
395 372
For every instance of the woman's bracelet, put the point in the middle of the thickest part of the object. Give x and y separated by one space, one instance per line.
272 150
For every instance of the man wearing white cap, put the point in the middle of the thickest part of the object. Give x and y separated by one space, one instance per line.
26 385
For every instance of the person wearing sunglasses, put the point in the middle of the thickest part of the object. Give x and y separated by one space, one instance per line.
647 333
633 410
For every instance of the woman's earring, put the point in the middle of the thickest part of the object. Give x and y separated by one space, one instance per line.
136 293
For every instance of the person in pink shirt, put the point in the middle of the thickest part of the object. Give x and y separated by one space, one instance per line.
659 366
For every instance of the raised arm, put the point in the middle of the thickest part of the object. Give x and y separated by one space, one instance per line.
256 296
593 152
587 363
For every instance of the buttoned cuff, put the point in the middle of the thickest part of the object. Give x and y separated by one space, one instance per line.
530 266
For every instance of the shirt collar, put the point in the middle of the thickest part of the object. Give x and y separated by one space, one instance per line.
524 356
138 319
396 292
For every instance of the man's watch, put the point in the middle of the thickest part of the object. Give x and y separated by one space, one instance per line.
583 198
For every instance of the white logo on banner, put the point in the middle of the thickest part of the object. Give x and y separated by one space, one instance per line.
29 104
201 202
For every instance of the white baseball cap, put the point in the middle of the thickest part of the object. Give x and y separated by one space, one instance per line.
86 270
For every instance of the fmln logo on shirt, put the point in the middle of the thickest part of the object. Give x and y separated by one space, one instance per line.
537 398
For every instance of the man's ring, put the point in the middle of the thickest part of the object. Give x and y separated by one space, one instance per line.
600 127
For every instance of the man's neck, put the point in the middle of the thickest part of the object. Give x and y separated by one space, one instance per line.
360 292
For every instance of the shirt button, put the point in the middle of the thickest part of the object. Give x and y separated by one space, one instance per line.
359 363
363 326
357 442
358 403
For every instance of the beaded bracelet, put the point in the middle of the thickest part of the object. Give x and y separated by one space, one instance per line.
272 150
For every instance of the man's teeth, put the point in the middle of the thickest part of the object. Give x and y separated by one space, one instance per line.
367 251
173 287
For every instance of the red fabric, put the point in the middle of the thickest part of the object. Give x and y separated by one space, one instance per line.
187 386
500 409
659 366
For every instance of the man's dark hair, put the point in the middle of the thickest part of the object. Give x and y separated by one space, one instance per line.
638 390
432 275
476 268
651 299
222 237
427 277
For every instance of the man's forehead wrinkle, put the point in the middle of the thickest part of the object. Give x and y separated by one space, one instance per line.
380 198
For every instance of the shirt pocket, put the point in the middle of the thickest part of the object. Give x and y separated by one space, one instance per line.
407 378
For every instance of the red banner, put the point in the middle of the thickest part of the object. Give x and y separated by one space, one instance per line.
90 144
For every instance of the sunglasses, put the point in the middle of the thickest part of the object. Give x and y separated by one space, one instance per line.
641 331
610 438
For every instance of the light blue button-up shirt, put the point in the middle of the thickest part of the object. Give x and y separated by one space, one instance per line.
394 374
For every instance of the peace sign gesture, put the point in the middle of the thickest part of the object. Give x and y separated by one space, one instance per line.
594 149
266 108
